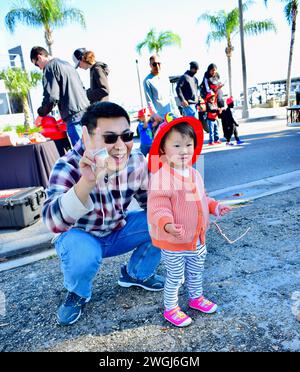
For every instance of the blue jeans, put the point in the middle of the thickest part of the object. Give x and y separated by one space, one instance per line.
189 110
81 253
213 130
74 128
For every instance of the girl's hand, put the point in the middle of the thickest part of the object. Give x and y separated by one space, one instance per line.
175 229
222 209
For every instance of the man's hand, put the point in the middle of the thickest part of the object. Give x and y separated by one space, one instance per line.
185 103
92 167
45 110
175 229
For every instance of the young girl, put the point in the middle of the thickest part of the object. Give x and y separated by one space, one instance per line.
212 114
178 214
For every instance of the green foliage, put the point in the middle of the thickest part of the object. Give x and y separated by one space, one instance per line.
34 130
226 25
18 82
46 13
21 129
7 128
290 10
156 42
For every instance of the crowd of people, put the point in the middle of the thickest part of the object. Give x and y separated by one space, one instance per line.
92 185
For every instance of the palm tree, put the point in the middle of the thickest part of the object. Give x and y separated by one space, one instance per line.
18 83
291 12
156 42
43 13
226 25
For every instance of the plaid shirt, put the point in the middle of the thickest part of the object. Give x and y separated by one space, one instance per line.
108 201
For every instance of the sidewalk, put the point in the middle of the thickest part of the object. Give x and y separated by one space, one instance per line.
255 283
260 114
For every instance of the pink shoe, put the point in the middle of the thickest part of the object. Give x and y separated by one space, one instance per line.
218 142
210 144
177 317
202 304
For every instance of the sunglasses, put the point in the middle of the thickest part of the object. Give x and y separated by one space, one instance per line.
113 138
155 64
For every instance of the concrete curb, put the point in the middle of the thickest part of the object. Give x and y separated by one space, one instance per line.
26 260
262 118
28 245
257 189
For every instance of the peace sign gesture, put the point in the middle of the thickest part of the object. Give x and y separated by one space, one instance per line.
92 167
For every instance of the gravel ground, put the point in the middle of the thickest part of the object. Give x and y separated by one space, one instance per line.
255 282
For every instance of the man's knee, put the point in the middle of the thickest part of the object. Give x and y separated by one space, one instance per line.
79 251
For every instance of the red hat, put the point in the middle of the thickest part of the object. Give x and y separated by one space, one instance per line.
142 112
170 121
209 95
229 100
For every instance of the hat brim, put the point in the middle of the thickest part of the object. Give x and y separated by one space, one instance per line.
76 61
155 162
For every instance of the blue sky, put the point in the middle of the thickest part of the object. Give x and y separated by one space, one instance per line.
114 27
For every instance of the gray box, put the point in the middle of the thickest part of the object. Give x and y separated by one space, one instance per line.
21 207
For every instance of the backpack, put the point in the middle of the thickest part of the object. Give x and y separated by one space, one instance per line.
203 90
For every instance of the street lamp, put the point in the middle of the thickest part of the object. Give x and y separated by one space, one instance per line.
139 80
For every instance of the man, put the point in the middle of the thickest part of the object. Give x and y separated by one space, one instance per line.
88 195
157 90
62 86
99 88
187 90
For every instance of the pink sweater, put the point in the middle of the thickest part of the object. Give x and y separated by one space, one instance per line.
173 198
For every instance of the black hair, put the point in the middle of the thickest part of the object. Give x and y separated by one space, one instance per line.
211 66
185 129
102 110
37 50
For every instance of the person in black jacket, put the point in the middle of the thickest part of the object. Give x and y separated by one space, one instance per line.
62 87
99 88
229 124
187 90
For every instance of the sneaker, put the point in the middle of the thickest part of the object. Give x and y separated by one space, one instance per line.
210 143
69 312
229 144
177 317
218 142
240 142
203 305
154 283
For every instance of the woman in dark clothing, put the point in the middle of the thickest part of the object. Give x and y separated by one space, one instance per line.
211 83
99 88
